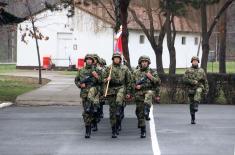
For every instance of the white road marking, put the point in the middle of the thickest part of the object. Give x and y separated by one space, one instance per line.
155 145
234 149
6 104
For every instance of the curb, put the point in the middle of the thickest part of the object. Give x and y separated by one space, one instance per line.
47 103
5 104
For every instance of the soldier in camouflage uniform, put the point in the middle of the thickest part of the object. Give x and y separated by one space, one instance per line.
103 63
87 80
102 101
146 84
97 106
196 81
119 86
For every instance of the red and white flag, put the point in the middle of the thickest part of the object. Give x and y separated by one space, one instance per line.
118 44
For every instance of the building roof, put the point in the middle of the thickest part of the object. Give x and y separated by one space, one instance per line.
2 4
182 24
7 18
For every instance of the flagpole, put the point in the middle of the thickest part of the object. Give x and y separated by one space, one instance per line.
107 87
117 37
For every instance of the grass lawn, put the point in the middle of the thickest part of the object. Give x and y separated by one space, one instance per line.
74 73
211 68
214 67
7 68
11 87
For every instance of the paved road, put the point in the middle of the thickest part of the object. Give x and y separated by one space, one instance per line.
58 130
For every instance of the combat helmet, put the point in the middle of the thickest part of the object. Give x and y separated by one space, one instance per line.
116 55
103 62
95 56
89 56
195 58
144 58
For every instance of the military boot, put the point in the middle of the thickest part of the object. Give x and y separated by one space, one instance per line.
114 132
146 112
193 119
87 108
88 131
118 111
143 132
119 119
119 126
94 126
139 125
101 113
195 106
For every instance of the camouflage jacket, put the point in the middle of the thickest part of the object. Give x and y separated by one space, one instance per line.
140 78
84 75
196 77
120 77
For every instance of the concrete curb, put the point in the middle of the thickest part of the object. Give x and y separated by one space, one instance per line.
47 103
5 104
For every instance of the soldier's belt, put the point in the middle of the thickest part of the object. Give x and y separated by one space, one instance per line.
116 84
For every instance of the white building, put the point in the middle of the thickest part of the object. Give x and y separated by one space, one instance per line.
90 31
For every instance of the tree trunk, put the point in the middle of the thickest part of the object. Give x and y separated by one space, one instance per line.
159 50
117 12
158 55
36 40
222 52
124 15
172 67
170 41
205 38
206 34
159 63
38 53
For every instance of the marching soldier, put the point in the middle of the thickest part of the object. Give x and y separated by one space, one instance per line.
196 81
146 84
102 101
97 106
103 63
119 78
87 80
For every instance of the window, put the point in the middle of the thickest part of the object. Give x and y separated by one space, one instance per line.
156 39
183 40
141 39
196 41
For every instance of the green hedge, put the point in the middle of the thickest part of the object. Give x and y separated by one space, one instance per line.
221 89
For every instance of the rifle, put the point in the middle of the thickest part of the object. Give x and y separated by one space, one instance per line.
141 81
87 80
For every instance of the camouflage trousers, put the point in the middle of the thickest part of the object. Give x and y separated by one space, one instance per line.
90 102
195 96
142 100
115 101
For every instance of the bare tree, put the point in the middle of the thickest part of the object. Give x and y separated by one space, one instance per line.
35 35
171 34
207 31
124 4
222 50
157 45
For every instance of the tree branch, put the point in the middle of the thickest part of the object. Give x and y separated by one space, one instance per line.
106 9
140 23
216 19
174 30
150 16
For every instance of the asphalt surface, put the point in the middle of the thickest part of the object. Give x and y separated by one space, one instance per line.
58 130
